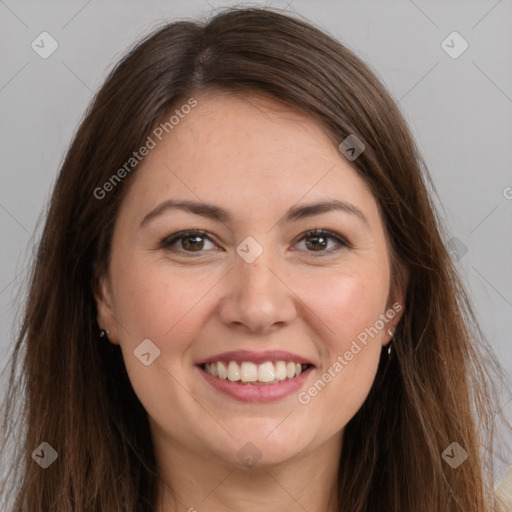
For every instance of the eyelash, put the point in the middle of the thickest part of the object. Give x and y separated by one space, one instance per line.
167 242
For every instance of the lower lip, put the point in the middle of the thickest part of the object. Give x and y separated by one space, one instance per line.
259 392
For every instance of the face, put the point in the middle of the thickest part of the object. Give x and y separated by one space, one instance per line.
249 290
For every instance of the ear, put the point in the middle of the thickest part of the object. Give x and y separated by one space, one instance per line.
396 301
105 313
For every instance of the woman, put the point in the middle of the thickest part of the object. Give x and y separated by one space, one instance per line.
250 304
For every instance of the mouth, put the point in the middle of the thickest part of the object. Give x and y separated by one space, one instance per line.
256 376
249 373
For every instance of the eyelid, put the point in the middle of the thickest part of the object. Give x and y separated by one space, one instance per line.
326 233
175 237
342 241
170 240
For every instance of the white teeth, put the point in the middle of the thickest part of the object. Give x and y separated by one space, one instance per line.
280 367
214 370
250 372
233 371
221 369
266 372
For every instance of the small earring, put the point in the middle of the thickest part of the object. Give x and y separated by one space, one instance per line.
390 344
103 333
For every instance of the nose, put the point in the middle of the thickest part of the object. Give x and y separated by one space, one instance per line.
258 300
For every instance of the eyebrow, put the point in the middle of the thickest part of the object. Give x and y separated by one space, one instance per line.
217 213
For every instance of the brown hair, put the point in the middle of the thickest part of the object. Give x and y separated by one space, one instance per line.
75 393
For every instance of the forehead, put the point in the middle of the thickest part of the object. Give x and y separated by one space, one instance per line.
251 135
248 150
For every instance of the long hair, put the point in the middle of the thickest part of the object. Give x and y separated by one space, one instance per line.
72 392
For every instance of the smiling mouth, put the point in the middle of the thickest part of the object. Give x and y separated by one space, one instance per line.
249 373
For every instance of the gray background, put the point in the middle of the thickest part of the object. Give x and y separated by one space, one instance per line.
460 112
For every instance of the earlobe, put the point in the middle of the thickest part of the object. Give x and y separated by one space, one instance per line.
395 307
105 313
399 290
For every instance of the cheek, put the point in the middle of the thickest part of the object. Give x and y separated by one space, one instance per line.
346 304
153 302
349 307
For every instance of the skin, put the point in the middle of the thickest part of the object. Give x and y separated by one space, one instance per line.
256 158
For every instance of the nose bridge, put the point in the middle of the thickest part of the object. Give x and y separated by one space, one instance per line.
257 283
253 261
257 277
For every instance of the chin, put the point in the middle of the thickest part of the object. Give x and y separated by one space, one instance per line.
263 443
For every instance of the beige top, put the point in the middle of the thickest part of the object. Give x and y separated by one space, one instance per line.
504 490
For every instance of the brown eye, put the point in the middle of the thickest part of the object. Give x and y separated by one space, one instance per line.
191 241
318 241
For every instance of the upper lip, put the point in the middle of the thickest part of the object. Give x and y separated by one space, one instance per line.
256 357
